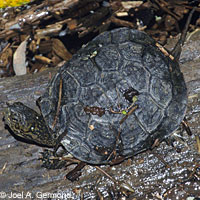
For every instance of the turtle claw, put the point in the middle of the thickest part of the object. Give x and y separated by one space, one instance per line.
50 161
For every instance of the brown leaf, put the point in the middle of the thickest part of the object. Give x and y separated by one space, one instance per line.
60 50
19 59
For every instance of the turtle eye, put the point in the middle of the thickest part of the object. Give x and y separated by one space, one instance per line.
14 117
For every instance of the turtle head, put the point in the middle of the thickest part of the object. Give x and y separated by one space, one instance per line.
28 124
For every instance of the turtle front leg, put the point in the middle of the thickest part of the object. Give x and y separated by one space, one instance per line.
51 161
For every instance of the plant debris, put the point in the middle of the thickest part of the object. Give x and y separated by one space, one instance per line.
57 29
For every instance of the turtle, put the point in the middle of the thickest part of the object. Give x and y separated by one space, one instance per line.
114 98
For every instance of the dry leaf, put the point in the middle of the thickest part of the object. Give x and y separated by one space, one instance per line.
19 59
60 50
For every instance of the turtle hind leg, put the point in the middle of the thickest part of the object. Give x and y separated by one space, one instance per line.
178 135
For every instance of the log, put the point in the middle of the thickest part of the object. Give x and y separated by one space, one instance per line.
26 88
76 14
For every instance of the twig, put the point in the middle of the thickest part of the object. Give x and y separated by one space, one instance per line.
59 103
105 173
